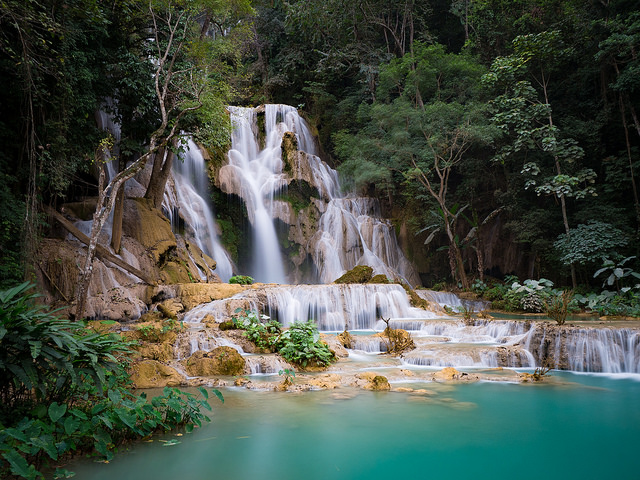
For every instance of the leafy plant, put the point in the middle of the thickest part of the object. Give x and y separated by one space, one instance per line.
616 273
65 389
557 306
301 344
288 375
258 328
241 280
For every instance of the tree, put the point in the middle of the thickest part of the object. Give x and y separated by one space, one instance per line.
426 121
527 121
178 87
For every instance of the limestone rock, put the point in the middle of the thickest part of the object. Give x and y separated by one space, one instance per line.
449 374
346 339
219 361
153 374
372 381
171 308
193 294
162 352
336 344
328 381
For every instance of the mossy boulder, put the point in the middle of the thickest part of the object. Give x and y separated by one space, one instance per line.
346 339
372 381
219 361
380 278
358 274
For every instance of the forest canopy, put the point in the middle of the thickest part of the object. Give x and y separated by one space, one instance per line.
512 122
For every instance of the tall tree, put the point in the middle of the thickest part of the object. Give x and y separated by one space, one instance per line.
425 123
525 117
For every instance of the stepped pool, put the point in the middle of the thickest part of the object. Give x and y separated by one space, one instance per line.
572 425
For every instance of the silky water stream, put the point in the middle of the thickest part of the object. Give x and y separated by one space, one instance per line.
574 427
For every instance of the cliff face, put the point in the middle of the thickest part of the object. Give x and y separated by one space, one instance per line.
148 246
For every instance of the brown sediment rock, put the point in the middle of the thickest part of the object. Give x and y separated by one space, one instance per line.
372 381
219 361
153 374
449 374
170 308
328 381
193 294
345 339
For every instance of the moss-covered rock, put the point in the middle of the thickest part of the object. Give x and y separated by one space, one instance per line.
372 381
219 361
358 274
380 278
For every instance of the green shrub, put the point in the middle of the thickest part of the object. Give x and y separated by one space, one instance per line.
241 280
301 344
64 389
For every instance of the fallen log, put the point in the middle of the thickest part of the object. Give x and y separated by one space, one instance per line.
101 251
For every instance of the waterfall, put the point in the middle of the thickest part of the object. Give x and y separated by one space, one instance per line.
609 350
448 299
191 194
257 176
349 231
331 307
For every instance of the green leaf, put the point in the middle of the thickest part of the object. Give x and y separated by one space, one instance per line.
19 465
56 411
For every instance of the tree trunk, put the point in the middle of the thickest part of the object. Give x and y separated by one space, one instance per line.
162 163
118 211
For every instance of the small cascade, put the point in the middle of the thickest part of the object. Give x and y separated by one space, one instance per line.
334 307
188 202
265 364
331 307
608 350
451 300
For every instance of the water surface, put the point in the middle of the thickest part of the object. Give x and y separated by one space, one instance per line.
579 426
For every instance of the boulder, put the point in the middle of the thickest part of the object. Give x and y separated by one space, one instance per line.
449 374
219 361
358 274
171 308
153 374
372 381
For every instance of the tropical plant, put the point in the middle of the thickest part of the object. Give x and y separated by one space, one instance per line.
616 273
301 344
557 305
65 389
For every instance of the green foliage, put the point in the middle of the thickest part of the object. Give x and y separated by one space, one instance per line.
264 335
611 303
288 375
64 389
615 273
241 279
588 243
301 344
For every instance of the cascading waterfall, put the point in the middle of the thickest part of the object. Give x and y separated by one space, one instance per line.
609 350
191 192
258 177
350 231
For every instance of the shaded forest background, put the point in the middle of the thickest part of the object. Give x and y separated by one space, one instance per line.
502 137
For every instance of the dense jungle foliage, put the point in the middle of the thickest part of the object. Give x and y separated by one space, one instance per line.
474 121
